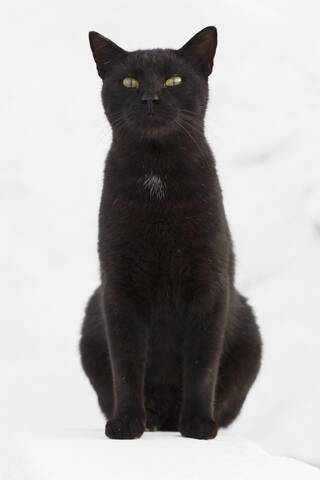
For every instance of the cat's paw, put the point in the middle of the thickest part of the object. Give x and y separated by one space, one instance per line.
124 429
197 427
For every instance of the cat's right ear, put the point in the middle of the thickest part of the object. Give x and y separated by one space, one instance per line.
104 51
200 50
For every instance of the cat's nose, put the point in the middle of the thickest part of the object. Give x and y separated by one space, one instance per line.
150 98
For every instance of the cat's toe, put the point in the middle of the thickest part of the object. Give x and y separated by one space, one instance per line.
124 429
197 427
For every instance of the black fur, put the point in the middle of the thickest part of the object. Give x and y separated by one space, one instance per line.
167 341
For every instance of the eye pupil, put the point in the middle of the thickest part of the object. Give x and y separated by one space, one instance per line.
130 82
173 81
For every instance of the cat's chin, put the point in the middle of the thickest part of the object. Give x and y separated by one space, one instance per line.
152 125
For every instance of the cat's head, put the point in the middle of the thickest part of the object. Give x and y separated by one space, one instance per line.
154 93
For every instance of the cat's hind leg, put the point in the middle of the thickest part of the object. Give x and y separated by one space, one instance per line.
94 354
240 363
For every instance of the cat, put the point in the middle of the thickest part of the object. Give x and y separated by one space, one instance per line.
167 341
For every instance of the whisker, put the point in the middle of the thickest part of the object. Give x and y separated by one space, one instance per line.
193 126
191 113
189 134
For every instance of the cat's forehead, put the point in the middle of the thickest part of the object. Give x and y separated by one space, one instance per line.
158 60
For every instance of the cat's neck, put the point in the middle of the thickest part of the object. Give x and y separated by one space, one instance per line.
179 147
174 165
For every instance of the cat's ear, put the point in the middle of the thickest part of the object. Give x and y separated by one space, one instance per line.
105 52
200 50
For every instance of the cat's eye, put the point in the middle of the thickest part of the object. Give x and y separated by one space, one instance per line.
172 81
130 82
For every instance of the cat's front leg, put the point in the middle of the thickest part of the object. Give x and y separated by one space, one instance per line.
202 352
126 334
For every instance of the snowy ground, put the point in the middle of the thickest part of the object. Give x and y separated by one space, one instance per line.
87 454
262 124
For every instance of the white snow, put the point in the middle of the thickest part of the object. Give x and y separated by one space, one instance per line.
88 454
262 124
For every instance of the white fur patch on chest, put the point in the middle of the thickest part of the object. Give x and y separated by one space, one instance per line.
156 186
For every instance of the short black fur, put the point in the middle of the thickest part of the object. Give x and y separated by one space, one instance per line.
167 342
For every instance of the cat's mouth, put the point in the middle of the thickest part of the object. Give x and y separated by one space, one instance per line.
145 121
154 119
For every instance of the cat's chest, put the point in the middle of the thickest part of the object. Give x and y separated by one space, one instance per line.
156 233
153 185
158 207
155 227
158 210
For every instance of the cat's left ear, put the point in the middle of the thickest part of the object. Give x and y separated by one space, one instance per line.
105 52
200 50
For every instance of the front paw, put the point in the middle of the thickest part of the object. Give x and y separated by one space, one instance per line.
125 428
197 427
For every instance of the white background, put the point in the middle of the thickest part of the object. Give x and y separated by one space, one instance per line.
262 124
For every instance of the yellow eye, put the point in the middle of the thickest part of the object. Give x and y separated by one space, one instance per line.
130 82
172 81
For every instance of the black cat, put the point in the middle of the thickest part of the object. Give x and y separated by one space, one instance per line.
168 343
